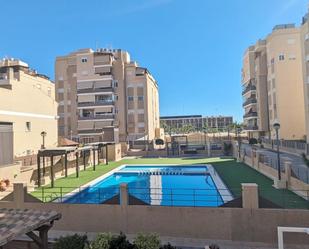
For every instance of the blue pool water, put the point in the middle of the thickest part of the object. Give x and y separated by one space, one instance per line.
156 185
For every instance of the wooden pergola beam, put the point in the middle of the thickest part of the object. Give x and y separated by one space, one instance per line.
106 154
39 170
66 164
93 159
76 164
52 171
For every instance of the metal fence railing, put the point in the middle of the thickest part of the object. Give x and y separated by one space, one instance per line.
288 144
77 195
283 198
299 172
210 197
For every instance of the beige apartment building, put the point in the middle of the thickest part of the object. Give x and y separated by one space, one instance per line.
104 96
27 108
272 81
254 90
305 59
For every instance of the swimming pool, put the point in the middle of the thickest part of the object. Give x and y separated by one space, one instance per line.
157 185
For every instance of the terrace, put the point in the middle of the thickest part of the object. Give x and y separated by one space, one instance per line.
225 167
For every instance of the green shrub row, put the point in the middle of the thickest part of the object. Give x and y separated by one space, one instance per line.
109 241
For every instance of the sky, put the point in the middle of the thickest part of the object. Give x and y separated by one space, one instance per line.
193 48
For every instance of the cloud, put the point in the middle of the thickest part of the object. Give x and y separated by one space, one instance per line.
141 6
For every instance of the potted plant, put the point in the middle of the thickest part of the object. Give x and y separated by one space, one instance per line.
7 182
2 185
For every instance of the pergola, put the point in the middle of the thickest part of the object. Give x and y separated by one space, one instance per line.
17 222
60 151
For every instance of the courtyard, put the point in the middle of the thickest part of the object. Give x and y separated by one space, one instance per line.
232 173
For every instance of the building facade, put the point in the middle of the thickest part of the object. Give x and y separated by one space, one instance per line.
197 122
272 82
104 96
27 108
305 59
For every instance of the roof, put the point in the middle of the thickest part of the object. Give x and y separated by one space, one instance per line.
67 142
16 222
185 116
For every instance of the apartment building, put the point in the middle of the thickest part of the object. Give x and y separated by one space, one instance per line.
272 82
196 121
27 108
305 59
254 89
104 96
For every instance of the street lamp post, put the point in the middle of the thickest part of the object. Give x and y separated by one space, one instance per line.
239 141
43 134
276 126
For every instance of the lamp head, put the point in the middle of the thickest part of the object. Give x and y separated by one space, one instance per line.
276 125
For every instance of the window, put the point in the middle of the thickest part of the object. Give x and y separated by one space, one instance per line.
28 126
130 98
115 83
291 41
84 59
273 83
281 57
140 98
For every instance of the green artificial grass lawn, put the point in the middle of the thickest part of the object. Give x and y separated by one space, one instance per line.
231 172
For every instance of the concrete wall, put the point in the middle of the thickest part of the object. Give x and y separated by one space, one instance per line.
236 224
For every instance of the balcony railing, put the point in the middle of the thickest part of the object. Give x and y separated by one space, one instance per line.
248 89
250 114
95 90
249 101
95 117
97 103
251 127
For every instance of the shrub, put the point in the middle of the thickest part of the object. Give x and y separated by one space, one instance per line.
71 242
102 241
168 246
159 141
253 140
147 241
120 242
214 246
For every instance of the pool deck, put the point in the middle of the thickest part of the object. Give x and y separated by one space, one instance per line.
221 187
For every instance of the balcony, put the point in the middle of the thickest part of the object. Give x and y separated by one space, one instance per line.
95 90
97 117
251 128
97 103
4 81
250 115
249 101
249 88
